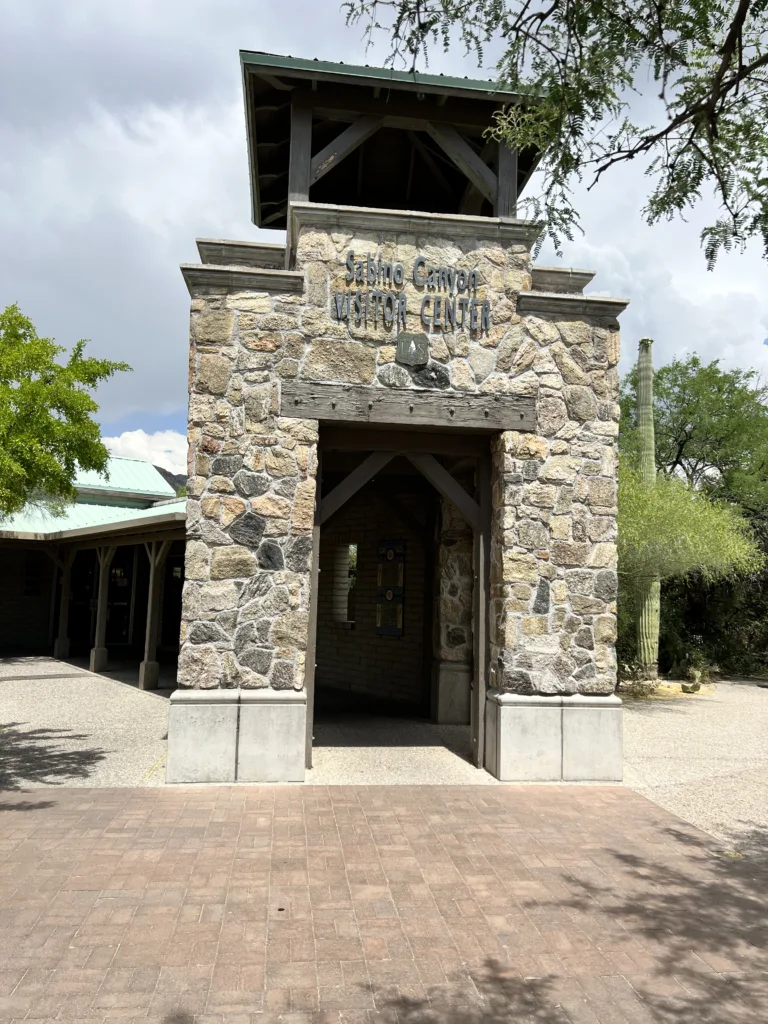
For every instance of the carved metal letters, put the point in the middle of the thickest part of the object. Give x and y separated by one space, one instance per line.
377 302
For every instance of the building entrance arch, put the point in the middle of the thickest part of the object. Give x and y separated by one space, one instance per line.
430 454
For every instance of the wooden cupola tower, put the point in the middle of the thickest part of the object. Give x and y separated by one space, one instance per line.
372 137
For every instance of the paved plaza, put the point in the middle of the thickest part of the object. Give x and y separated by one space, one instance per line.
362 904
124 899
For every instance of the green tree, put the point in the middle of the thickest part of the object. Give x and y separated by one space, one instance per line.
711 428
708 500
671 533
46 429
575 65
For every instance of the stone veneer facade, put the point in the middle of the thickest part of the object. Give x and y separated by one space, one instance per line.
252 471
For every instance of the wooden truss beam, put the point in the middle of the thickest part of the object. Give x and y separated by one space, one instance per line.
344 144
447 485
351 484
465 158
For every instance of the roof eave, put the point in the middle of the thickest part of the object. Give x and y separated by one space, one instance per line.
355 75
253 164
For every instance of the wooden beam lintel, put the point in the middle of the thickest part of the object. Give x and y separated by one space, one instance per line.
409 407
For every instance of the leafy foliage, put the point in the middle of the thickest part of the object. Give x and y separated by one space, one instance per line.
667 529
711 427
712 432
575 65
46 430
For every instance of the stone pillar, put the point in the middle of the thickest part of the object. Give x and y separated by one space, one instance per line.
250 512
553 555
61 643
149 669
99 654
452 669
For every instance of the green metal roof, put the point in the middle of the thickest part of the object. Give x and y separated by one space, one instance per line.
301 67
126 476
34 523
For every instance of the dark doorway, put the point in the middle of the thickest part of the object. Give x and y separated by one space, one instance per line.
375 593
378 611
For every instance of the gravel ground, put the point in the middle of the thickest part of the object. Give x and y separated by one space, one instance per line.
705 758
63 726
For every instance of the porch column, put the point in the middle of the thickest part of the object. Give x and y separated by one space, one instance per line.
98 661
149 669
61 643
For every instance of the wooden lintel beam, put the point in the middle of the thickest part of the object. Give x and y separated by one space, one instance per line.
447 485
344 144
351 484
407 408
465 158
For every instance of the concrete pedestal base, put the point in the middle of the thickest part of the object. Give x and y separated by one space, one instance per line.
202 736
451 693
272 736
149 675
237 736
98 660
548 739
61 647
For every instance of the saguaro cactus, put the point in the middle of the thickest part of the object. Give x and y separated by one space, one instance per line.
648 588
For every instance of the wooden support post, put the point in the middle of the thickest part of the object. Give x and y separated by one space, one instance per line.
465 158
299 164
61 643
314 582
99 655
506 183
149 669
482 567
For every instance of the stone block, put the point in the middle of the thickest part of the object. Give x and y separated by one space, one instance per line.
272 736
451 682
592 739
202 736
523 737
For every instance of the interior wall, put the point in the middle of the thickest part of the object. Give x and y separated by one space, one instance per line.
351 655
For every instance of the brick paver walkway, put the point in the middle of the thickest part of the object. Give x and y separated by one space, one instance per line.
311 904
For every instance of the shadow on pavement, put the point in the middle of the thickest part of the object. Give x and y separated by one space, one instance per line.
38 756
498 996
26 805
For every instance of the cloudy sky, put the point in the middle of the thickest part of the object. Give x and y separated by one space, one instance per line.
122 139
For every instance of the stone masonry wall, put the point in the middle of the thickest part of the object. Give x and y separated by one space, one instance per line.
252 472
453 587
250 504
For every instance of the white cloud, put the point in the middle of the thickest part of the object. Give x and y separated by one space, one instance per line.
133 142
165 448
